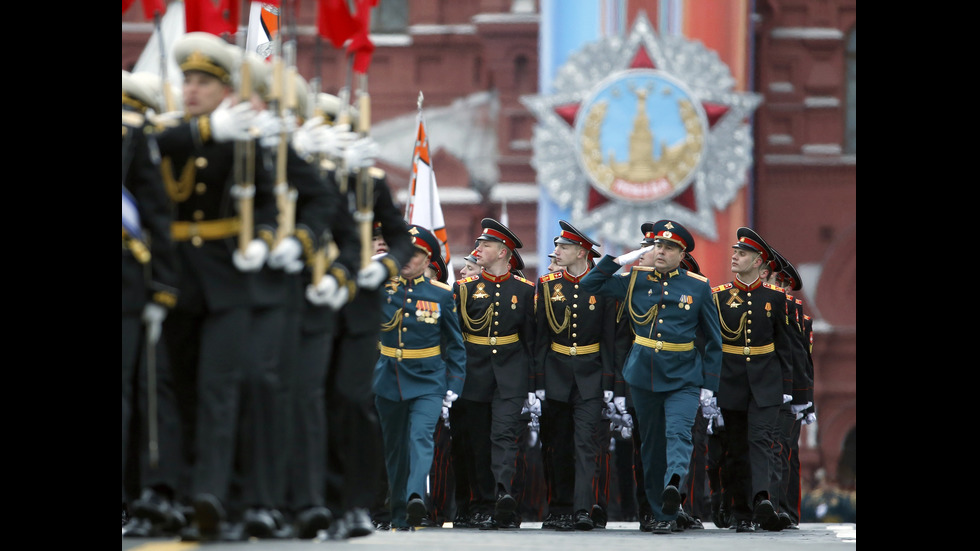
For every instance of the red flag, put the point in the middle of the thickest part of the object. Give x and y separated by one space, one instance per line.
361 46
150 7
207 16
334 22
424 207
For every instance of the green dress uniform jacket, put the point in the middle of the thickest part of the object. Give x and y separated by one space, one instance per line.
421 345
665 311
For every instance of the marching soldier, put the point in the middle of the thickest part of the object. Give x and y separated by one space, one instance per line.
667 376
415 377
352 422
574 350
791 415
149 290
208 330
756 378
496 310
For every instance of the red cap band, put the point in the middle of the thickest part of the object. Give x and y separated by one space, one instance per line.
755 246
669 236
510 244
576 238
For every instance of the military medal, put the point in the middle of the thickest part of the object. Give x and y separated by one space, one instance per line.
768 310
513 302
592 302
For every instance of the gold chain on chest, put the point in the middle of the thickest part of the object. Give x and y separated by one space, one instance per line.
178 190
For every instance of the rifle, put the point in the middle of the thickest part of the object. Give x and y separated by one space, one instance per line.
365 183
244 189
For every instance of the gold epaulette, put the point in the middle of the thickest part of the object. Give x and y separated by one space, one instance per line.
467 280
440 284
697 276
774 287
643 268
132 118
553 275
376 173
721 287
519 278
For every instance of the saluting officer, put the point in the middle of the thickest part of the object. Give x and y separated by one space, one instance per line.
756 378
149 290
415 376
208 330
666 375
574 349
496 311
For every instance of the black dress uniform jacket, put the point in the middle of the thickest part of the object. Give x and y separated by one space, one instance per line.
496 316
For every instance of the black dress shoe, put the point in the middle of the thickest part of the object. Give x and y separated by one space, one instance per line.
489 523
599 517
152 505
672 500
744 526
208 515
429 523
139 528
646 522
583 521
311 520
462 520
382 526
783 521
565 523
550 522
359 523
416 511
664 526
765 515
338 529
505 504
696 524
258 523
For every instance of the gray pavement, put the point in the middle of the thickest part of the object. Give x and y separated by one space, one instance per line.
618 536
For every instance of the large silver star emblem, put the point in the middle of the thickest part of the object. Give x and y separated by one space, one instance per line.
592 169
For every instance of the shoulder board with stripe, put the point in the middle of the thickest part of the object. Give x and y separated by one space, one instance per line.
806 317
774 287
132 118
440 285
519 278
467 280
548 277
800 302
643 268
721 287
697 276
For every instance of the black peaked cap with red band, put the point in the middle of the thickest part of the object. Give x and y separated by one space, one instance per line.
495 231
750 240
788 272
667 230
571 236
690 264
425 240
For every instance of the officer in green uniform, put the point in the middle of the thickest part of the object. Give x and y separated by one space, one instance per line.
666 375
756 378
421 368
496 310
574 348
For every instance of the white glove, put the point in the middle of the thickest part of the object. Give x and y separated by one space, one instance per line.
254 257
167 118
787 398
631 257
360 154
710 409
607 396
327 293
533 404
153 316
234 122
798 408
451 397
329 140
371 276
627 429
706 396
445 416
620 403
540 394
303 141
269 127
810 418
286 252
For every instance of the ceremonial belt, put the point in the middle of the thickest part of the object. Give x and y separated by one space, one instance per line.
661 345
748 350
206 229
575 350
491 341
409 353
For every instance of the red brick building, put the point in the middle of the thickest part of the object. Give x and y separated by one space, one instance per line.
803 188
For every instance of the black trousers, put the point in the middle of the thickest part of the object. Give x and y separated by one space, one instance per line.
749 441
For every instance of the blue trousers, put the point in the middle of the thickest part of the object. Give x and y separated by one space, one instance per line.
665 420
408 429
